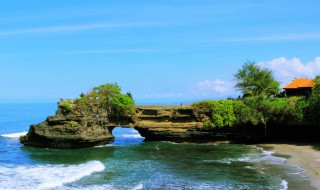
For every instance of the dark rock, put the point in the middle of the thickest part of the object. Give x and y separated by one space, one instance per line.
92 127
70 131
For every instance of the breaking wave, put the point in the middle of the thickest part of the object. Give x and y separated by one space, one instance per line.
14 135
40 177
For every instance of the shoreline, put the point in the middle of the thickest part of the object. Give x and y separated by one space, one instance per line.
304 156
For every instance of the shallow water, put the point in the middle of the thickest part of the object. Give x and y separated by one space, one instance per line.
130 163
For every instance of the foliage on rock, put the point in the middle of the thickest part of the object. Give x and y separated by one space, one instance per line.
257 110
66 106
215 113
73 123
104 98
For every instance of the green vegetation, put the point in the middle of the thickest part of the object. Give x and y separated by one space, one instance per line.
250 111
73 123
66 106
313 111
253 80
260 105
104 98
215 113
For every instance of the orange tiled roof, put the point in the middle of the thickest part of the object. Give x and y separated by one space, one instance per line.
300 83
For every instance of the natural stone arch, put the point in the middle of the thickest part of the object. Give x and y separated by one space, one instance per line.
125 135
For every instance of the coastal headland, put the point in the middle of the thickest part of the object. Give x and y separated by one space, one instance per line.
89 120
155 123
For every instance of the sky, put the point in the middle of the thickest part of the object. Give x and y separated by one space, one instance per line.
162 51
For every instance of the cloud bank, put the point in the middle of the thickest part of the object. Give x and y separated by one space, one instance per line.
285 70
214 88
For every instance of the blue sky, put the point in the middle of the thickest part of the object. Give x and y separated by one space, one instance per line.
167 51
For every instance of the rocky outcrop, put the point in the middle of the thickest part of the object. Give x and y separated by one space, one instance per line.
73 130
92 127
181 125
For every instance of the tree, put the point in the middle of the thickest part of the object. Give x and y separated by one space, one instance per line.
108 97
253 80
313 110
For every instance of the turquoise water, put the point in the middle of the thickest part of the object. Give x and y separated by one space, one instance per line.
130 163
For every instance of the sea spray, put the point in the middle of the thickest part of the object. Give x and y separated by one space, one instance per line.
38 177
14 135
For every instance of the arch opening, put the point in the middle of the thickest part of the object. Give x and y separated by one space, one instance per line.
126 136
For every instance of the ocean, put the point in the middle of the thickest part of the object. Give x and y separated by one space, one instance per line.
130 163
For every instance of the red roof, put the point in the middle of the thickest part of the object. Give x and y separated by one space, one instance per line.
300 83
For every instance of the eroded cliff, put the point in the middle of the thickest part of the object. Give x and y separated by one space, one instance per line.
92 127
73 130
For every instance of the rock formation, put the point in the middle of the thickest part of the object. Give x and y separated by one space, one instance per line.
91 127
172 124
85 128
89 120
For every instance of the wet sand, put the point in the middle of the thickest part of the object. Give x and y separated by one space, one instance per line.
300 155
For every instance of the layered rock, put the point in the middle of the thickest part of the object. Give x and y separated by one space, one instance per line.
91 127
73 130
180 124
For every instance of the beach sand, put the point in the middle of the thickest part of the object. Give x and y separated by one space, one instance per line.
300 155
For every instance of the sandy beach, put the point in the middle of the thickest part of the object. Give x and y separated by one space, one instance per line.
300 155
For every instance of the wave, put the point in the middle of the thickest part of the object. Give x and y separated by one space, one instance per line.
14 135
134 136
284 185
138 187
40 177
265 157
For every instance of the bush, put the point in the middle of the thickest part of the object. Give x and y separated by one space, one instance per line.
215 113
73 123
313 110
280 110
108 97
66 106
257 110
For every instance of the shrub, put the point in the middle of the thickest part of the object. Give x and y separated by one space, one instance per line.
108 97
66 106
73 123
208 124
215 113
313 110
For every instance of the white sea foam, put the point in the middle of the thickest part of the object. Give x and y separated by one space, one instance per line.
90 187
14 135
38 177
284 185
265 156
138 187
102 146
138 136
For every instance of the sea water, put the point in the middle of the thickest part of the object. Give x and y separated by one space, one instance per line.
130 163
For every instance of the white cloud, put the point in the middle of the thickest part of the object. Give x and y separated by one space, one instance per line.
287 69
218 86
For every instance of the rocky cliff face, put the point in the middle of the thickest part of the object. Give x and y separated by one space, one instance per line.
181 125
91 127
74 130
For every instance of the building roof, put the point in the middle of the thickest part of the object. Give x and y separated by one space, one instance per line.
300 83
